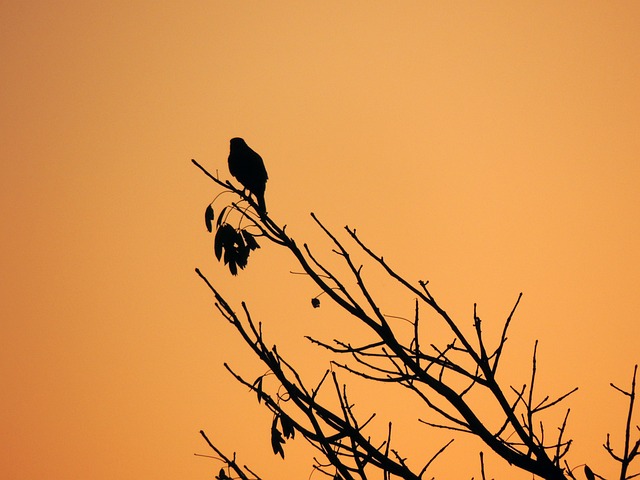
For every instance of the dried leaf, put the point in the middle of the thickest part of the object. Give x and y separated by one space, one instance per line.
588 473
288 429
258 386
222 212
222 475
208 218
250 240
276 438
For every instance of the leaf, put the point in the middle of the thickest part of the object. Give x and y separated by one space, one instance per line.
222 475
241 251
208 218
276 438
221 216
233 268
288 428
224 236
258 386
224 241
228 257
588 473
250 240
315 302
217 244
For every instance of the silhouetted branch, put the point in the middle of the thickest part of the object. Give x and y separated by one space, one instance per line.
629 452
482 466
344 440
503 337
441 375
230 462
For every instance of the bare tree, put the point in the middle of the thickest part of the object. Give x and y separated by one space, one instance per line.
445 376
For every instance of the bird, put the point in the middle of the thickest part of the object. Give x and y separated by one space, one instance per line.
248 168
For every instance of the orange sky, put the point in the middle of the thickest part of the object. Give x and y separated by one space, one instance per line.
490 148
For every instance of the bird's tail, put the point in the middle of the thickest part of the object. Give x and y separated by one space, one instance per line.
261 204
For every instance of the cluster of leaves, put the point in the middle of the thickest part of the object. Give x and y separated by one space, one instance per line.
232 245
278 436
287 427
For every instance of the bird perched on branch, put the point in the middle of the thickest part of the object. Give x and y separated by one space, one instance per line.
247 166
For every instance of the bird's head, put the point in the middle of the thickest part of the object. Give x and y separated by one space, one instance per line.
237 141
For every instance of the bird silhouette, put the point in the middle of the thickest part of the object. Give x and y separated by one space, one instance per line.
248 168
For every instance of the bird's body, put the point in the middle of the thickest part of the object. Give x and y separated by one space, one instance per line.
248 168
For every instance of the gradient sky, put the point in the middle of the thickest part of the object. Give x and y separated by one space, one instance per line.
489 147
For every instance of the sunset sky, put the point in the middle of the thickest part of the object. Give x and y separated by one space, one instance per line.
491 148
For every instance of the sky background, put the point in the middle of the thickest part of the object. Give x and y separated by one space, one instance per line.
490 148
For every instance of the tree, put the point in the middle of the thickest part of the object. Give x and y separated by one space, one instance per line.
446 377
